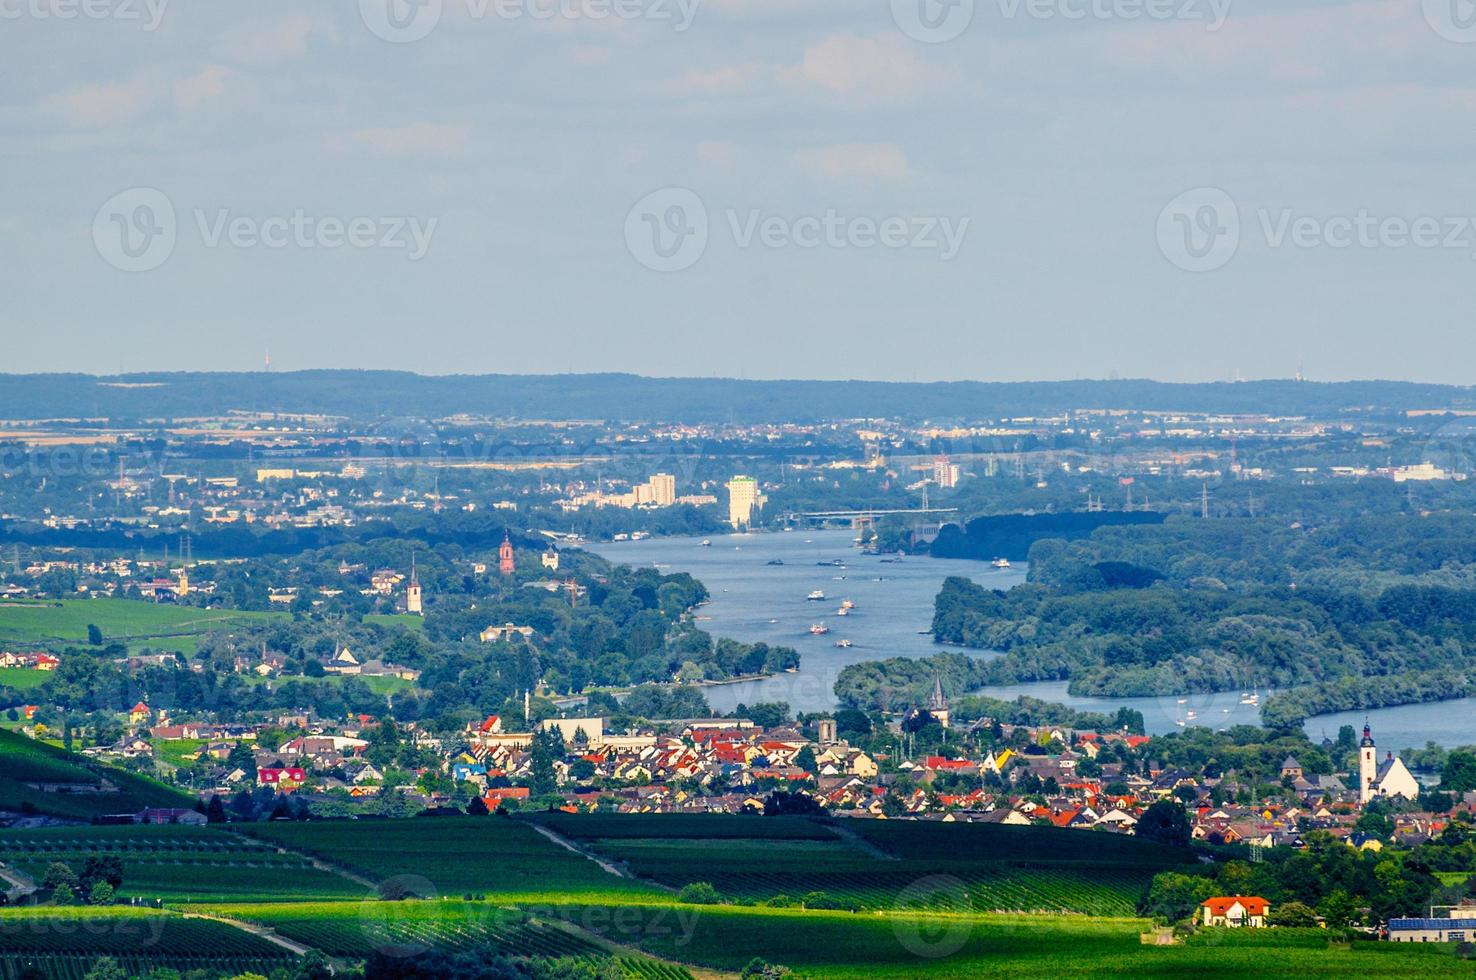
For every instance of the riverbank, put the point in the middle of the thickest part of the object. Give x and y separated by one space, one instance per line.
755 601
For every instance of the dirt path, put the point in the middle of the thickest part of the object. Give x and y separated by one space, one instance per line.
22 882
256 930
856 840
317 863
569 845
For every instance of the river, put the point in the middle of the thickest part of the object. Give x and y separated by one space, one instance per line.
755 601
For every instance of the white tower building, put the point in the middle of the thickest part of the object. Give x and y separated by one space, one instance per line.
1368 766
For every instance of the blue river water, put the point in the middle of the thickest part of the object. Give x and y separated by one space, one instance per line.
754 600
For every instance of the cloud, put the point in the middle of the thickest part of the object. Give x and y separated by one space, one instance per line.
855 161
881 69
282 38
104 104
406 140
193 90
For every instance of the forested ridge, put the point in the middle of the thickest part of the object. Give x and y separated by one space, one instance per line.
1370 613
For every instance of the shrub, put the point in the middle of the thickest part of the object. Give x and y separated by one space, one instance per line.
699 893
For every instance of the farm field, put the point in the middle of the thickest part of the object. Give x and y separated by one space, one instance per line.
160 626
64 942
986 868
403 930
454 855
178 864
845 945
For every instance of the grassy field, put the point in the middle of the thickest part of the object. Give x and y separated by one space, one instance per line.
416 623
161 626
379 685
22 678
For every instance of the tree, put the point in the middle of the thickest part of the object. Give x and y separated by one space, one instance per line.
102 893
1338 909
699 893
106 968
1292 915
101 869
59 874
1173 896
477 807
797 804
548 747
1459 774
1165 822
64 895
215 811
94 635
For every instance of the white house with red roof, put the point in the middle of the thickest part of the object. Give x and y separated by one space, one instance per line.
1235 911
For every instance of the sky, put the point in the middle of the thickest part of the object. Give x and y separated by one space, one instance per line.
886 189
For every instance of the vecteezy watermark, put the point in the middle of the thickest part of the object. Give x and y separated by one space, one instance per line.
1454 20
669 230
937 21
918 924
136 230
148 14
933 21
1201 230
407 21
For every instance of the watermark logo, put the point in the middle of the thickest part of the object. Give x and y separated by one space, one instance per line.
667 230
1199 231
932 924
407 21
1454 20
135 230
148 14
400 21
933 21
407 908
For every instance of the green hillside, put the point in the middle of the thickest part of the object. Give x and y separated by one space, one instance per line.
79 788
161 626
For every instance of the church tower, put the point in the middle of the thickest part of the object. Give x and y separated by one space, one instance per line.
938 704
414 605
1368 766
506 563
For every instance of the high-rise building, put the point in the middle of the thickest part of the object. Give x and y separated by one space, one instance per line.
945 473
663 489
743 499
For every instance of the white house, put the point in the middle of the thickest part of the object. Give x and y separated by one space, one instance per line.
1235 911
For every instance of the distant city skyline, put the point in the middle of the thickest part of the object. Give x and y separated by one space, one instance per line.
901 190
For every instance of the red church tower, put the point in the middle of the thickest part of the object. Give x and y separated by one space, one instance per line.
506 563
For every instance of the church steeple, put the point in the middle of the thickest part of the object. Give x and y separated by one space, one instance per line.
938 704
506 562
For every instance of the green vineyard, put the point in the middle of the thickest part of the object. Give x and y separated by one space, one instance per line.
75 966
177 863
453 856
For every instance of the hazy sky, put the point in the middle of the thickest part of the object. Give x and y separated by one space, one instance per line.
897 189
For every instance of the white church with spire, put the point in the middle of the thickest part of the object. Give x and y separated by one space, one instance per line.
1382 779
